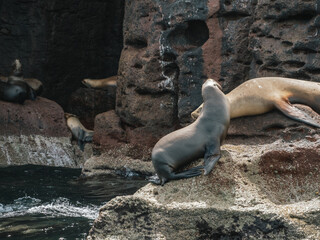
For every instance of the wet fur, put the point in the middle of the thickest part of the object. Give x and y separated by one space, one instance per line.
79 132
200 139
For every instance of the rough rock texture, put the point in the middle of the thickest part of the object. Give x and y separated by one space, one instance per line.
61 42
39 117
170 47
268 191
36 133
108 131
87 103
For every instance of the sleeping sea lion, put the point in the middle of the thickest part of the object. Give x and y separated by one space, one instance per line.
17 77
202 138
100 83
261 95
78 131
16 93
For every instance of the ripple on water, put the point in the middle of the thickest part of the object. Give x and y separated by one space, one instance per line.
39 202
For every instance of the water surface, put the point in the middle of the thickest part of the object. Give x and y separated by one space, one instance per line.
38 202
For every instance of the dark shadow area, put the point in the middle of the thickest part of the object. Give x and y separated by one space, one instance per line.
61 42
189 35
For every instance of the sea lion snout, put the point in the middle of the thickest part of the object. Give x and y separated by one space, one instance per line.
211 83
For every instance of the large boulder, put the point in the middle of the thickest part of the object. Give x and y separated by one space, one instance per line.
36 133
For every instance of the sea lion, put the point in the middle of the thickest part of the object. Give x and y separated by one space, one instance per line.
35 84
17 77
261 95
202 138
17 93
78 131
100 83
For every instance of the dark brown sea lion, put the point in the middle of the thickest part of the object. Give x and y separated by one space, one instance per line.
16 93
261 95
202 138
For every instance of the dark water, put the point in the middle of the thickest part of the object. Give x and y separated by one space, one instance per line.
39 202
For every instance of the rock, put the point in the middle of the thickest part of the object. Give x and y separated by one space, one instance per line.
108 131
36 133
171 47
269 127
255 192
110 134
109 162
87 103
39 117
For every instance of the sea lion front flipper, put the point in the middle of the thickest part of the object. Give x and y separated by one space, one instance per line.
81 144
211 157
295 113
155 179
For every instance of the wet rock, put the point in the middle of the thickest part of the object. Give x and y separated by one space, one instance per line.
36 133
255 191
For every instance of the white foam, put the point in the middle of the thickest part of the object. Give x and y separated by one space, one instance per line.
60 207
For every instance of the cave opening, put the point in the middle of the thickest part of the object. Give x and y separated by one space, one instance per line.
189 35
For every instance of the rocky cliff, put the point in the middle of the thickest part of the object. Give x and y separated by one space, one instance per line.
36 133
267 183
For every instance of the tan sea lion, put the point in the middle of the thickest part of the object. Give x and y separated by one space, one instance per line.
35 84
100 83
261 95
79 132
202 138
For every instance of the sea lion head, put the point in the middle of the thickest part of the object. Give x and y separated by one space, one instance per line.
16 68
69 115
86 82
210 89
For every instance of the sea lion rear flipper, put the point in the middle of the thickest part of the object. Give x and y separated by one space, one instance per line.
296 114
192 172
